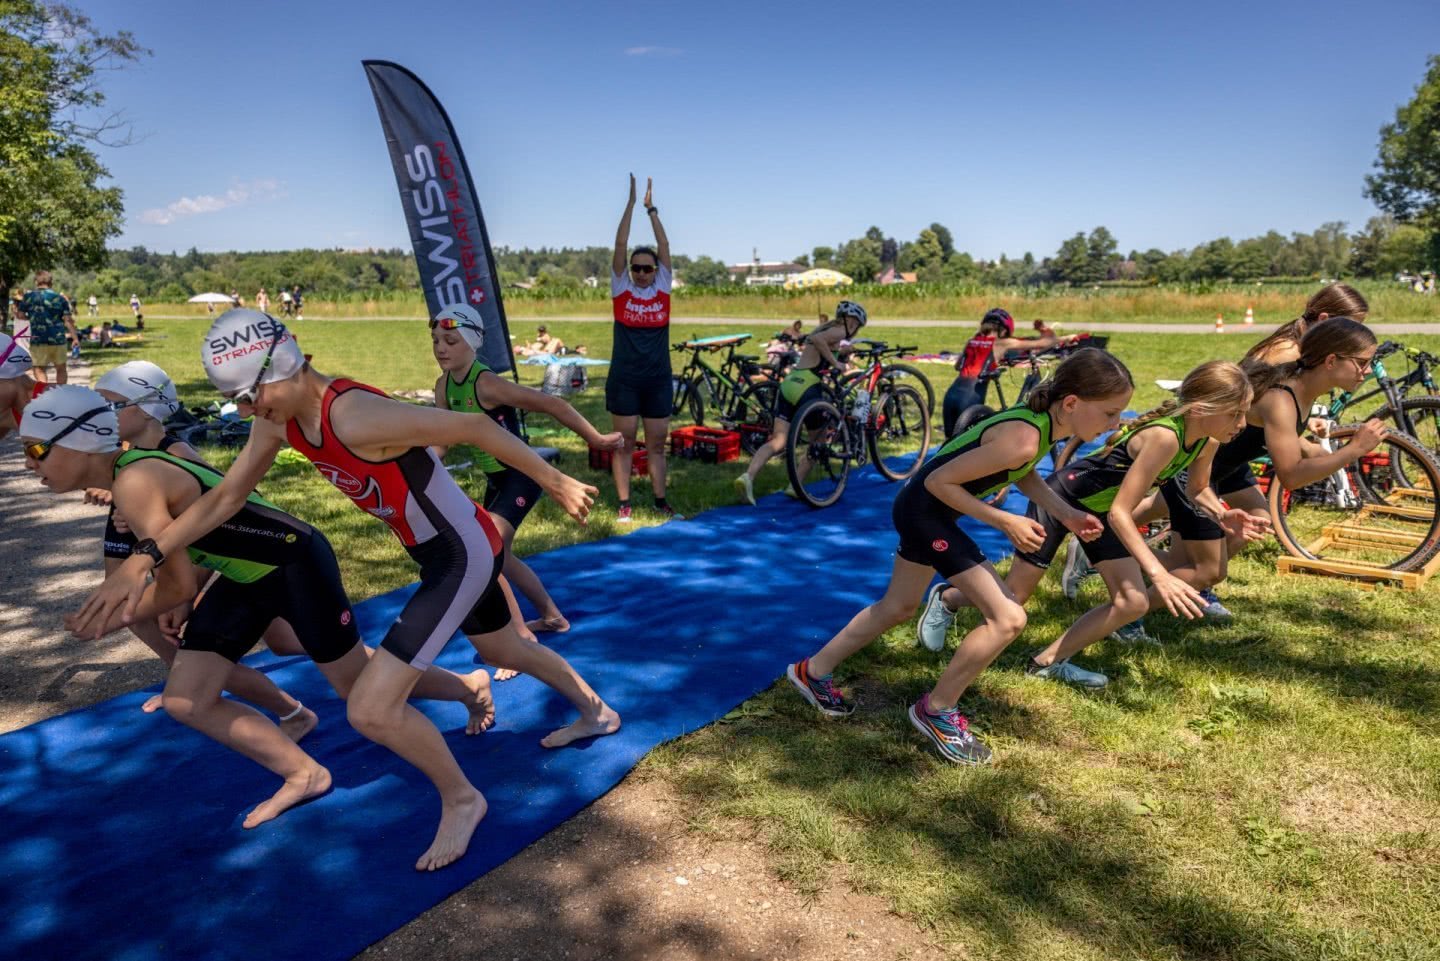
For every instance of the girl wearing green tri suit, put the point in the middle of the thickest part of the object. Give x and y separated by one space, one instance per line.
145 397
1180 435
802 383
271 565
466 384
1084 398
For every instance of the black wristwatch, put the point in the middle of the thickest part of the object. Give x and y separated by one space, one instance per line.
148 548
652 211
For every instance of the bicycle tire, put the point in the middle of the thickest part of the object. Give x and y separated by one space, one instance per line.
899 426
818 452
971 416
1389 520
695 399
755 406
909 372
1423 414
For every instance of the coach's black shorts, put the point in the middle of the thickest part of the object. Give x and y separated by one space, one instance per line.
651 399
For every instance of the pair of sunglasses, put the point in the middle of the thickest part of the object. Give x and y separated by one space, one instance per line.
249 396
643 268
450 323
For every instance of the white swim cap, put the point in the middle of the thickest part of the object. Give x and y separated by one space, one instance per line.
234 351
142 381
86 420
14 359
467 324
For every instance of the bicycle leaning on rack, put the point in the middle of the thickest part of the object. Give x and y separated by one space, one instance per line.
1405 407
856 420
738 389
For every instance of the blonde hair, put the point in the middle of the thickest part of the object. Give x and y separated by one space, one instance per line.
1212 388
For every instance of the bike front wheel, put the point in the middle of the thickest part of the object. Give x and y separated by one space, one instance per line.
819 452
1379 511
899 431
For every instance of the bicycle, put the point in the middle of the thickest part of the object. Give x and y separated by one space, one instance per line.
900 371
1417 416
701 380
870 418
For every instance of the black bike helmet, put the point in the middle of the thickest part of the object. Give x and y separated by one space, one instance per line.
848 308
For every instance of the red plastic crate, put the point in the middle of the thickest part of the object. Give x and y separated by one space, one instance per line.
705 444
639 463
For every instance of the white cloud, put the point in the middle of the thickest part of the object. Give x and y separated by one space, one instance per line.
653 51
254 191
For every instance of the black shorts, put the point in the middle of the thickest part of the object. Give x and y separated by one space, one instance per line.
308 593
510 494
1186 520
1236 480
1106 547
930 535
651 399
459 590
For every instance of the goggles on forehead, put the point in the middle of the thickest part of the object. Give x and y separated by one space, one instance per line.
40 450
451 323
250 395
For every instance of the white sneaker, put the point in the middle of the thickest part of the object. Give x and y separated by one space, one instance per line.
746 488
935 620
1077 568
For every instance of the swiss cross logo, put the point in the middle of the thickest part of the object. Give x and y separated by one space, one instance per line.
477 296
939 545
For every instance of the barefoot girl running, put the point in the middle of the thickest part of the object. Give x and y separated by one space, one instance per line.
1084 397
466 384
270 564
803 382
145 397
377 452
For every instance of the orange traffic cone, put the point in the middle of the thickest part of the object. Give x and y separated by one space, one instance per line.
1249 316
1219 324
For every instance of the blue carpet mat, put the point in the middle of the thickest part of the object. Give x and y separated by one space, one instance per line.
121 834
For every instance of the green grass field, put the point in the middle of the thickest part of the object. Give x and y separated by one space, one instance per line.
1264 790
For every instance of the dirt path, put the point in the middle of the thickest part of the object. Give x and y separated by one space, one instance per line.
622 880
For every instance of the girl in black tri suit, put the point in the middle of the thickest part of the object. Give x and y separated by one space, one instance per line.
377 452
1084 397
149 398
466 384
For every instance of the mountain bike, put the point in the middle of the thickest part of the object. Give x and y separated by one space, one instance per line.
1408 410
870 418
898 371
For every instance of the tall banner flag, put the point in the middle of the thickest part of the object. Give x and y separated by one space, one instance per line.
447 231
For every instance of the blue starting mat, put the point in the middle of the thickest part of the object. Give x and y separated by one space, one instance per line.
121 835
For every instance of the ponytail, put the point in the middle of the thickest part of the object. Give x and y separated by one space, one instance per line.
1333 300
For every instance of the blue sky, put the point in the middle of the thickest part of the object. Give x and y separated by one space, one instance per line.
768 125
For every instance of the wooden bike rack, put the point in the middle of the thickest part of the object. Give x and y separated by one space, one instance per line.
1355 533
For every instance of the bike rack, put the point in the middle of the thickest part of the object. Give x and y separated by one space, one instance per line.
1354 533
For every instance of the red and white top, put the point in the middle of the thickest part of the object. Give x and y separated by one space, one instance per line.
641 351
413 492
979 355
641 307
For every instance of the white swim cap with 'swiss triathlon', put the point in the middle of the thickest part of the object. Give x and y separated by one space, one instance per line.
86 420
145 385
235 349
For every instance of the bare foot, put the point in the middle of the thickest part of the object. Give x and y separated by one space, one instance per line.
505 673
608 722
480 704
556 624
457 823
303 787
299 725
153 704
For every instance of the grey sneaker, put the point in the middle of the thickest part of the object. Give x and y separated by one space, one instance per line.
935 620
949 732
1214 610
1134 633
1069 673
1077 568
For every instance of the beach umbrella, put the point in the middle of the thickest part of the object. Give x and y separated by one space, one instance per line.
818 277
212 299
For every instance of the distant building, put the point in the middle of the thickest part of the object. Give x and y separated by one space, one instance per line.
764 273
891 276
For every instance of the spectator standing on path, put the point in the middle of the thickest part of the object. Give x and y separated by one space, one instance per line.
287 306
52 326
299 300
638 387
135 305
94 304
262 301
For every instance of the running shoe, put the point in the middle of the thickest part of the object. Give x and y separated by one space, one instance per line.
1134 633
1069 673
745 487
669 513
622 516
949 732
1077 568
935 620
819 691
1214 610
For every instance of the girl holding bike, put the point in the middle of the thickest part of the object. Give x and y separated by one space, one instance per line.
997 332
802 383
1084 398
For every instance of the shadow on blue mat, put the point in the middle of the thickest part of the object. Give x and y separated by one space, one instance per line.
121 835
